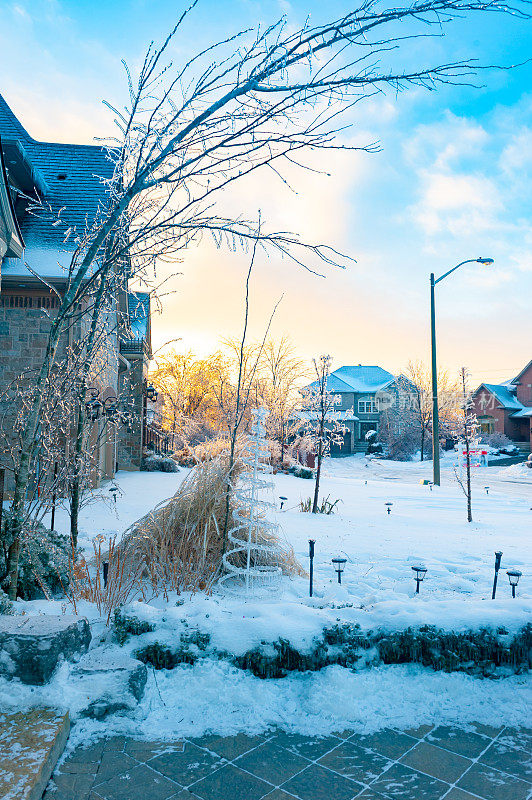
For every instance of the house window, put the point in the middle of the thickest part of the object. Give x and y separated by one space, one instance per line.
367 406
487 425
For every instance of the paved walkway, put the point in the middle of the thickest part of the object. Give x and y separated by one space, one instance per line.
424 764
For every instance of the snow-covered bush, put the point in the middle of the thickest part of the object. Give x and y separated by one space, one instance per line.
44 562
6 606
500 443
156 463
125 626
301 472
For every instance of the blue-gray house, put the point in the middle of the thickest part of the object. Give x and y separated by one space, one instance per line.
363 393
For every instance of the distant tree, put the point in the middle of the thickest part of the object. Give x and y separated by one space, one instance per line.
321 418
188 385
420 387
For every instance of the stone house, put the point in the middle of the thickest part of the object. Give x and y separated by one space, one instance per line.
363 393
507 408
34 257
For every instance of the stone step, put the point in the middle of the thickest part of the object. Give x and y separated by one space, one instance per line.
31 743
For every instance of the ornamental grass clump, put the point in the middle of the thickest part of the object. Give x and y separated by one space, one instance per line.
179 545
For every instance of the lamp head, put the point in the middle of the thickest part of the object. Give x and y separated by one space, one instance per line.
485 261
513 576
339 564
420 571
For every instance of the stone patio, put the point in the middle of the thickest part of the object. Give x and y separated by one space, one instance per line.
423 764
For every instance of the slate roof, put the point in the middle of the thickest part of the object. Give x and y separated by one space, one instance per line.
523 413
360 379
503 395
364 379
73 176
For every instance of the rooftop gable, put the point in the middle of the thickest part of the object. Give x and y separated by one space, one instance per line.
525 369
75 179
362 379
502 394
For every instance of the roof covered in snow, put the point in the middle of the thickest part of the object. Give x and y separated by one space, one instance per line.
523 413
67 176
360 379
505 397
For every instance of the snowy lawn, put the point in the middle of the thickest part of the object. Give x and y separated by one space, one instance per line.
378 591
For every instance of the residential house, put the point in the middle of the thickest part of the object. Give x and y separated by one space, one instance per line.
35 255
507 408
363 393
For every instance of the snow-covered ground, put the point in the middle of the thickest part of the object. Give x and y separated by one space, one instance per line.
378 591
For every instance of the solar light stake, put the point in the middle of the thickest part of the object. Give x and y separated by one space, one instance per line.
339 564
420 573
487 488
311 543
513 577
113 491
283 501
389 507
431 484
498 556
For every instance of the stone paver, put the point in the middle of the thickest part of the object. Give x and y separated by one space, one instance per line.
30 744
476 762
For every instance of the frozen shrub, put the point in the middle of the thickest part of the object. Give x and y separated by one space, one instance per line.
500 442
156 463
6 606
302 472
44 562
125 626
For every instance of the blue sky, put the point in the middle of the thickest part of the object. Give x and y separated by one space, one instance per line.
452 181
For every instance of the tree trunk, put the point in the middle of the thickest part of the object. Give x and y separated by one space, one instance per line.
75 488
468 477
318 475
422 443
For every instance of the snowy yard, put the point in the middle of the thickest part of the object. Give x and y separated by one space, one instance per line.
378 591
424 526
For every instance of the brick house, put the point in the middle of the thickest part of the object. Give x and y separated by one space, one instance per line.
363 392
34 256
507 408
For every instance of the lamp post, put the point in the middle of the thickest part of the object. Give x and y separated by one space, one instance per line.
435 415
498 557
311 543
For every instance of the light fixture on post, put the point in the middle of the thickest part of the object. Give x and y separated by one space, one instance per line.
389 507
151 393
113 490
94 407
339 565
513 577
498 556
435 418
487 489
110 406
283 501
420 572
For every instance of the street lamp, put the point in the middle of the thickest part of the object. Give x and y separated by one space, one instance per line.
435 418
